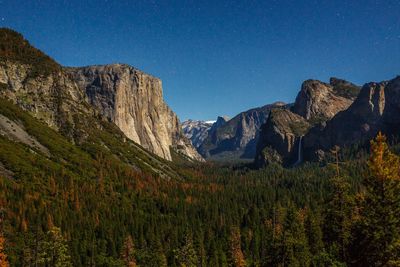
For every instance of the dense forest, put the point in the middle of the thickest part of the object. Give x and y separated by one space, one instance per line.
105 201
84 206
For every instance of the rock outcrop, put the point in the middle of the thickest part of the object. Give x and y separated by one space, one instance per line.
316 103
60 96
375 109
279 138
237 138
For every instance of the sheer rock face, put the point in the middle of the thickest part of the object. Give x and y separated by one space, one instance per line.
377 108
236 138
133 100
280 137
318 101
130 98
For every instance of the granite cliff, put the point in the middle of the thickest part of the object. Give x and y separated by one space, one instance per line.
64 97
317 102
376 109
133 100
279 138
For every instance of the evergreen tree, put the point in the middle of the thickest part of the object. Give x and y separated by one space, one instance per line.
295 251
378 236
339 215
186 255
55 251
314 234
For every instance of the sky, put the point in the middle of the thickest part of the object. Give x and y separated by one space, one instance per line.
218 57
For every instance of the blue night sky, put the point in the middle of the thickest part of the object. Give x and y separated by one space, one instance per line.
219 57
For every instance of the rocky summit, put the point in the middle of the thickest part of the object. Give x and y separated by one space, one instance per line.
316 103
319 101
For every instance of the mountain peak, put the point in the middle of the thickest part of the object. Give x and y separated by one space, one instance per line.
321 101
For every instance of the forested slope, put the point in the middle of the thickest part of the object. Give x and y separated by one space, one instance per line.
199 215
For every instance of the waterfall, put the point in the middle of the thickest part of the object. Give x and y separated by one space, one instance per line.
299 154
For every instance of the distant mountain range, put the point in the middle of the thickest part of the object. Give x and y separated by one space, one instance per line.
324 115
229 139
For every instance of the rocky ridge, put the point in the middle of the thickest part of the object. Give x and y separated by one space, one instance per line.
317 102
375 109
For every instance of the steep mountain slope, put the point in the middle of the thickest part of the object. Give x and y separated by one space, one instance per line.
196 131
279 138
237 138
376 109
316 103
63 96
20 130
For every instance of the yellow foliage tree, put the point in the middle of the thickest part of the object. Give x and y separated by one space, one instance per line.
378 241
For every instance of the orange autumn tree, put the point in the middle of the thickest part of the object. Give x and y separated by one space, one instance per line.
128 252
3 256
378 241
237 257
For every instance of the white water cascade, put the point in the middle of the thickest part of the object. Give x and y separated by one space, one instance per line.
299 153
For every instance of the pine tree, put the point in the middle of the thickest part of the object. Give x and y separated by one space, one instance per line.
378 235
55 251
314 234
339 214
295 251
186 255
